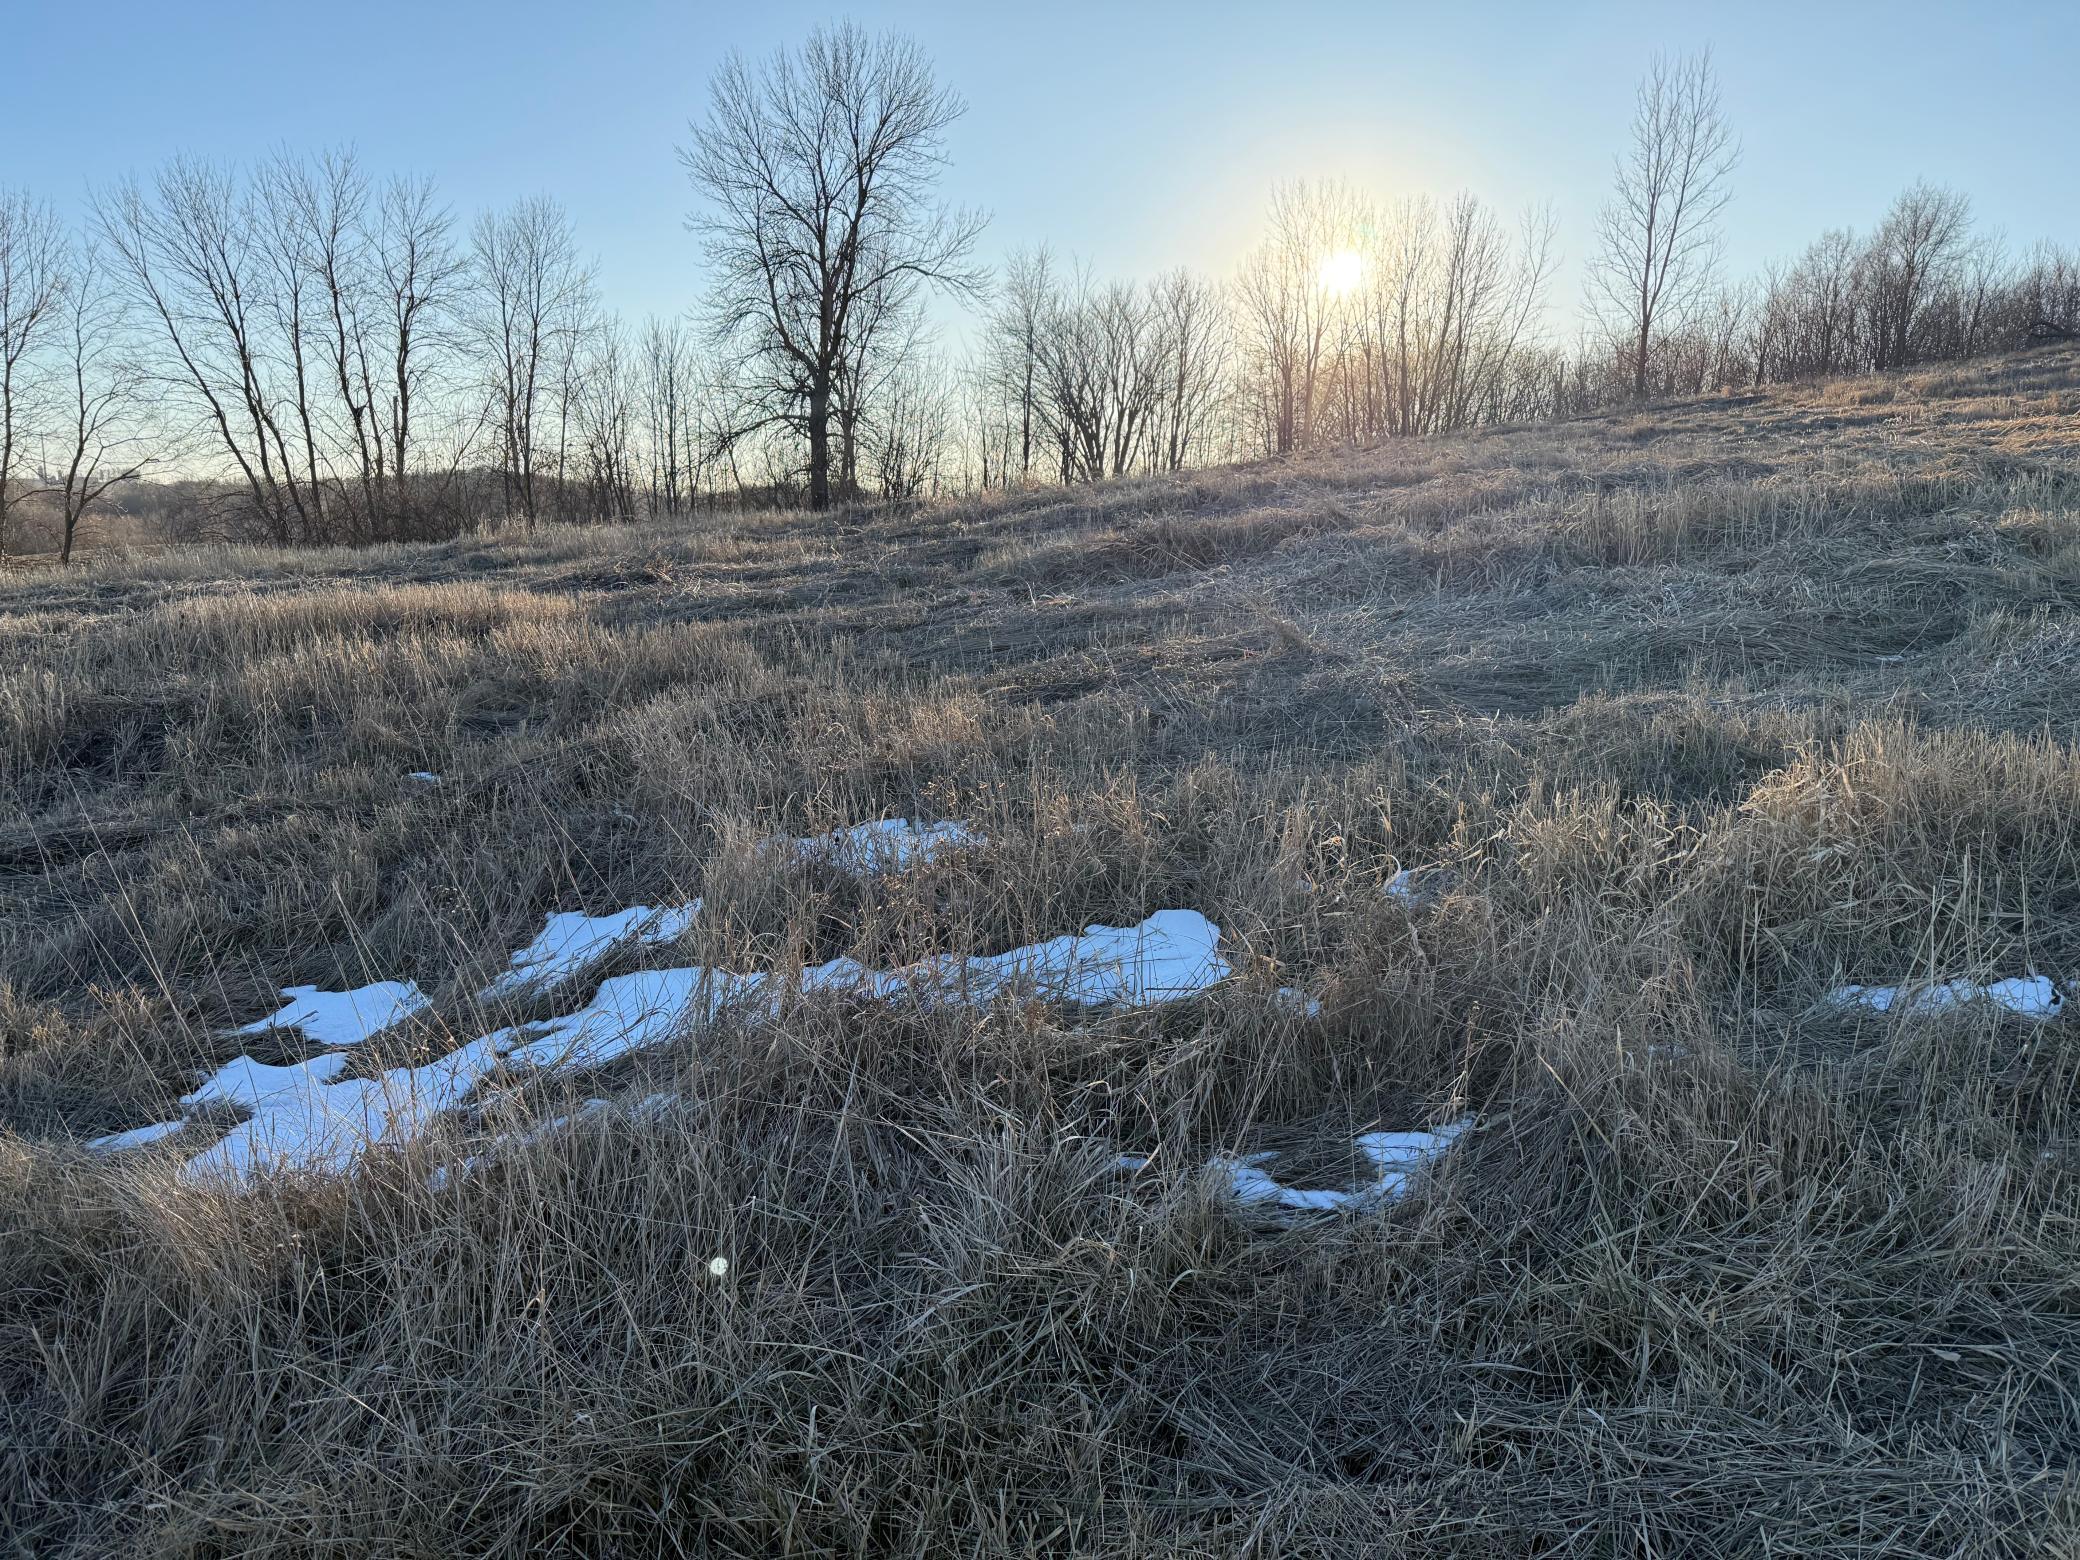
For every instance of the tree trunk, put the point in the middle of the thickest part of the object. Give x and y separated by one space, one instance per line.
820 447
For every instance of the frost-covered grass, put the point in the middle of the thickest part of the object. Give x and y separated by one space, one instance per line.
1553 781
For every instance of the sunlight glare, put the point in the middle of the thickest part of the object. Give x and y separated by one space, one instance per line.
1341 272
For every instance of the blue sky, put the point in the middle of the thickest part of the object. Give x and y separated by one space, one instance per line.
1136 136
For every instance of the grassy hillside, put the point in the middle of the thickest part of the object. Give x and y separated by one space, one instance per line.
1686 716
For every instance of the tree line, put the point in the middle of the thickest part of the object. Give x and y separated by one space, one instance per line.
303 352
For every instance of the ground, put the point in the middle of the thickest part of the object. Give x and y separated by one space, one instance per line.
1680 719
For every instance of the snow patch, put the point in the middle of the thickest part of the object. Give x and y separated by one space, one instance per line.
1399 1157
249 1085
424 777
885 845
1253 1185
2032 996
303 1117
570 943
302 1122
1172 954
1418 888
343 1017
628 1013
1297 1002
136 1137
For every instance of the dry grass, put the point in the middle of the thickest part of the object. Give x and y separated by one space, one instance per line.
1708 708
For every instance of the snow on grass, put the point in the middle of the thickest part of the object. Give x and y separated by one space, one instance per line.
1419 888
1253 1185
570 943
306 1123
885 845
1399 1157
338 1018
1172 954
136 1137
249 1085
305 1117
628 1013
1292 999
2031 996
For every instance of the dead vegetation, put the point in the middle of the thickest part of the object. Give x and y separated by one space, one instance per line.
1704 717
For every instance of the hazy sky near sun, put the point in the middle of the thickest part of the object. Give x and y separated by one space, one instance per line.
1135 136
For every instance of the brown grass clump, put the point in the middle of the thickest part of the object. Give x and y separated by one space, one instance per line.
1688 717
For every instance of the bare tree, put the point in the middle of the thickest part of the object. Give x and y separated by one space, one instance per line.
1192 348
887 332
818 173
912 429
98 436
1809 311
1659 235
190 254
605 413
669 409
32 290
420 277
1916 250
530 297
1024 303
284 220
1290 302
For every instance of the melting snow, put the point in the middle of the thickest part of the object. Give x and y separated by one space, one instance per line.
628 1013
136 1137
1255 1186
2032 996
1298 1002
1172 954
249 1084
343 1017
570 943
303 1116
1418 889
1398 1156
886 845
305 1122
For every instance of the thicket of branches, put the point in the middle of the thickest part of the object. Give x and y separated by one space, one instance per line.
303 352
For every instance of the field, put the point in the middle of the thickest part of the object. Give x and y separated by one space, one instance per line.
1679 719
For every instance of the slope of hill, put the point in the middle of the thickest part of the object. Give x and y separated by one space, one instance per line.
1544 792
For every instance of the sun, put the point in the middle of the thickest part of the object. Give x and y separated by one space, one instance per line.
1341 272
